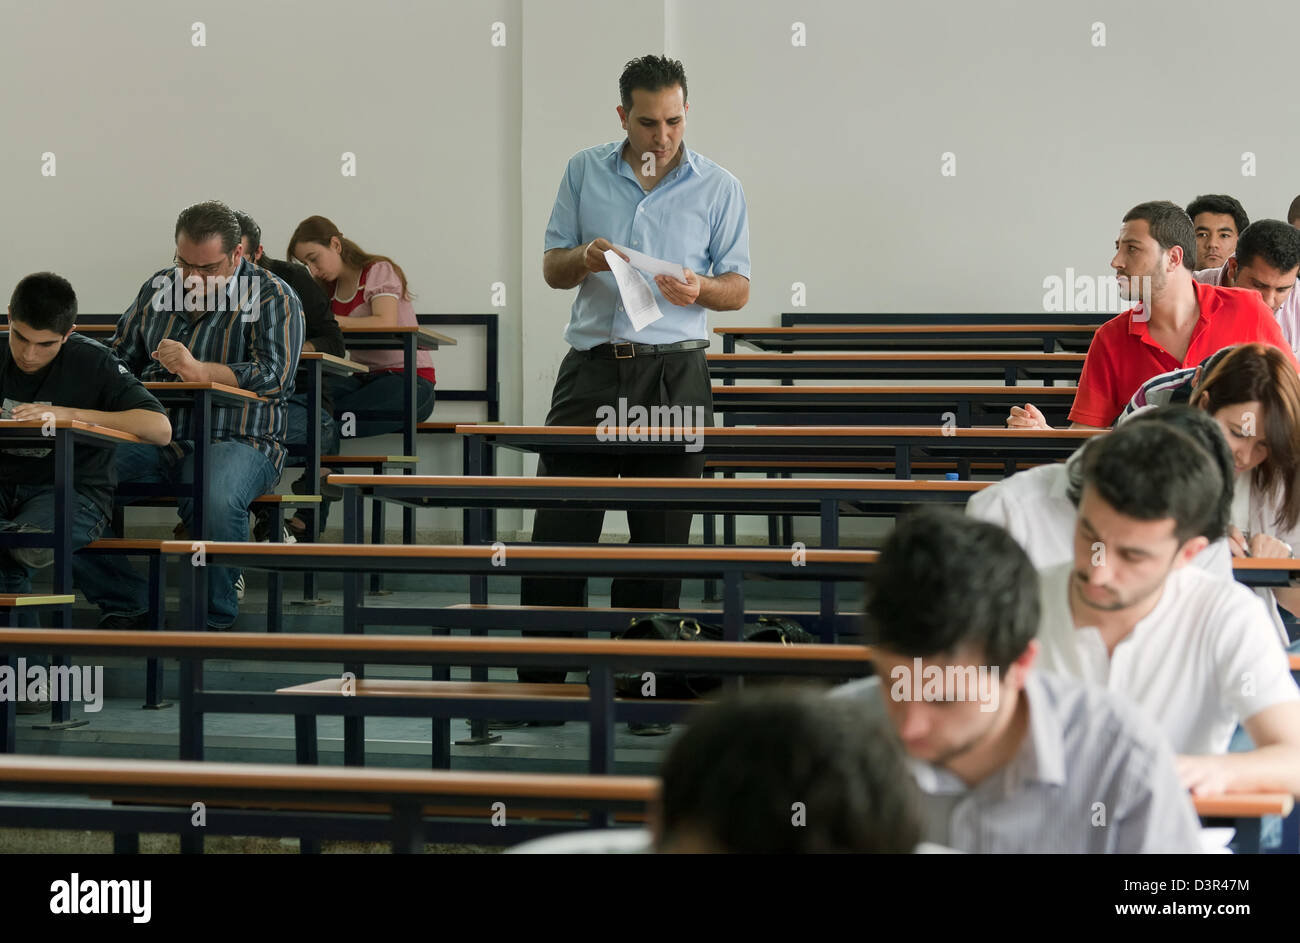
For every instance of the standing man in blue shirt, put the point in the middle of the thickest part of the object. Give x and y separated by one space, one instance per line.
650 193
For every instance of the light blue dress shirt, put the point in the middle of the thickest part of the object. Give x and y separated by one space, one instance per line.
696 216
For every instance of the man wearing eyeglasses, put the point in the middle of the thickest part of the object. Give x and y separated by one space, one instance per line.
226 322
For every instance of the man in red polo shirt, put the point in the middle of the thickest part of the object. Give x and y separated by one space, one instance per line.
1186 321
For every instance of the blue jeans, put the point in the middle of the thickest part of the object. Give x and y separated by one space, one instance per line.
239 473
296 433
34 505
376 401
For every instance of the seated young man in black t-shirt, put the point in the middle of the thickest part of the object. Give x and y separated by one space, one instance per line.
47 370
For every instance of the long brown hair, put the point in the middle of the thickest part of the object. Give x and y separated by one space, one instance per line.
1263 374
321 230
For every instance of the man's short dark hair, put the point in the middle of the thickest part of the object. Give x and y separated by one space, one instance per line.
1150 471
650 74
202 221
1169 227
945 581
1293 211
1220 203
248 229
1203 430
736 774
44 301
1276 242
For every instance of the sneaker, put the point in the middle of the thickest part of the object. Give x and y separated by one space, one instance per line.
649 730
262 525
495 724
34 558
239 587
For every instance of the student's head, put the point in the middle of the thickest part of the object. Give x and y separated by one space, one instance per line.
1293 212
959 598
787 771
318 244
1267 260
1209 434
653 112
1252 391
1219 221
1155 241
42 310
207 240
1152 499
250 236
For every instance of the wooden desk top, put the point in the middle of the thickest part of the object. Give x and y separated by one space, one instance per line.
743 432
868 330
341 364
15 425
168 386
396 330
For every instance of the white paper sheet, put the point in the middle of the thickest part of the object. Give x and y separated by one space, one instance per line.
652 266
638 299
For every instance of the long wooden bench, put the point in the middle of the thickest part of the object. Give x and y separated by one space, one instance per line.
729 564
901 444
404 807
600 657
1008 368
816 318
1043 336
885 405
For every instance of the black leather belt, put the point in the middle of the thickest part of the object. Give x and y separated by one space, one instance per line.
627 350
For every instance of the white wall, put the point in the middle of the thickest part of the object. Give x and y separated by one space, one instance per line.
460 145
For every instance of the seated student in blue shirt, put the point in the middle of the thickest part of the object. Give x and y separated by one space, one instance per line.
650 193
249 337
46 370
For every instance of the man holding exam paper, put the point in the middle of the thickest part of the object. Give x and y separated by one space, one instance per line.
652 234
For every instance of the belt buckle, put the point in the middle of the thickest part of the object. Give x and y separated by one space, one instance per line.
631 351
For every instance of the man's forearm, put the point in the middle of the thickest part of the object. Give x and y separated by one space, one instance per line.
729 292
1274 768
217 373
153 427
565 268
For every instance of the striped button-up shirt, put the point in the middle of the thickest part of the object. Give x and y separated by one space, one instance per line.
1091 775
260 345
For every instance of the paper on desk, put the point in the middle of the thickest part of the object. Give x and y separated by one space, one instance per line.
638 299
652 266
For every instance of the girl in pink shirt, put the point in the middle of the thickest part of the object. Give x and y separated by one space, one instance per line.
365 289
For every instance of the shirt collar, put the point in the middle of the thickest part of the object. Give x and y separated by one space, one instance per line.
1208 302
615 157
1041 756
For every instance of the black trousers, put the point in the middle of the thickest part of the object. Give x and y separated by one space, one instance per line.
582 388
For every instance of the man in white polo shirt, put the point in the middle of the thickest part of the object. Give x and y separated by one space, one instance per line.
1038 506
1197 654
1267 261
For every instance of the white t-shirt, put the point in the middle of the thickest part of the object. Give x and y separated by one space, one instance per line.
1253 512
1034 507
1204 659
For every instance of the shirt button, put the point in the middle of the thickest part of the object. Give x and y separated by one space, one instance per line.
640 209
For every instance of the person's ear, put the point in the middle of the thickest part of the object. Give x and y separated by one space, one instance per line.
336 245
622 116
1021 666
1189 550
1232 269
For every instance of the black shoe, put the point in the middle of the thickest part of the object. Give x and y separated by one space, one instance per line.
495 724
547 723
649 730
120 623
34 558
